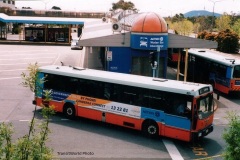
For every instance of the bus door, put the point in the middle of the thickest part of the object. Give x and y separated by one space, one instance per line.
203 116
235 81
178 119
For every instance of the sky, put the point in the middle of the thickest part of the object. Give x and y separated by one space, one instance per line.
162 7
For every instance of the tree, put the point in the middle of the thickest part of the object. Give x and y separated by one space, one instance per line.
223 22
204 21
236 27
56 8
196 27
121 4
26 8
178 17
232 137
184 27
227 41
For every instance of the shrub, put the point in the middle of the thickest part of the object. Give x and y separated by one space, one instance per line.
227 41
232 137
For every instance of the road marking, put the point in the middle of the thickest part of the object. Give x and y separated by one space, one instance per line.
13 70
9 78
211 157
25 120
21 63
4 121
58 56
172 150
25 51
10 59
65 119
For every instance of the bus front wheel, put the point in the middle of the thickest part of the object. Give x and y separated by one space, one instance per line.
150 128
69 111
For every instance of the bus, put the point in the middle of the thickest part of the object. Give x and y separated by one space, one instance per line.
155 106
207 66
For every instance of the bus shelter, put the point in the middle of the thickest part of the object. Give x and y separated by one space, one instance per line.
41 28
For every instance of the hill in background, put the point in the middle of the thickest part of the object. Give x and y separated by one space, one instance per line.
197 13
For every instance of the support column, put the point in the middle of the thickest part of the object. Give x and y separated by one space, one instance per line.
186 66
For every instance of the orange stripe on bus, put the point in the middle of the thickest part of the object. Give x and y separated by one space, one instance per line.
177 133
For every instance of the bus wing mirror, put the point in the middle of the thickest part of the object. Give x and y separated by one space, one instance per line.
215 105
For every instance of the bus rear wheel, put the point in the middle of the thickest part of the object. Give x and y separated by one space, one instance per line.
150 128
69 111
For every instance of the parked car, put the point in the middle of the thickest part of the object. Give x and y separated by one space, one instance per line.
60 39
33 38
75 44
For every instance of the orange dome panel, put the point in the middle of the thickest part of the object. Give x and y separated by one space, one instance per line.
149 23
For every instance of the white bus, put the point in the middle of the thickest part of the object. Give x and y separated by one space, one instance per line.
170 108
207 66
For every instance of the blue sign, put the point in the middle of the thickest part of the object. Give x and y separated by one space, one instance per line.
149 42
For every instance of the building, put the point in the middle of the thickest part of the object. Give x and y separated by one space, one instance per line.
135 44
7 3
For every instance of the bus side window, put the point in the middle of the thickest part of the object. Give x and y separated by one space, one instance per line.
158 100
72 85
108 91
129 94
116 93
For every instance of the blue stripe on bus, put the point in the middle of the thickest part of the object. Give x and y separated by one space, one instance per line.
39 84
167 119
59 96
177 122
148 113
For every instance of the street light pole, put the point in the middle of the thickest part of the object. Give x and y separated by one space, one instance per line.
46 2
214 2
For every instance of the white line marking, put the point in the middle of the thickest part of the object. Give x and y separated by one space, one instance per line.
13 70
4 121
21 63
9 78
216 118
25 51
25 58
58 56
65 119
25 120
172 150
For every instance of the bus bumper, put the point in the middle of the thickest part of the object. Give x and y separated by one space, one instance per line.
204 132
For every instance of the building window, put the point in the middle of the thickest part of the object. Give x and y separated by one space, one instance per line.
4 1
9 2
13 2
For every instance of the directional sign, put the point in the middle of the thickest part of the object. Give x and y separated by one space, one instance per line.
109 55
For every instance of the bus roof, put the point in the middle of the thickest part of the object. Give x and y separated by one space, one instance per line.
187 88
215 56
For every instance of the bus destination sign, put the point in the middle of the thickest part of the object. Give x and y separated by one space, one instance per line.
204 90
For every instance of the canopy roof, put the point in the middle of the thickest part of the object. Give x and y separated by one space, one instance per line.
43 20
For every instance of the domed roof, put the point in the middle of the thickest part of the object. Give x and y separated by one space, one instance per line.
149 23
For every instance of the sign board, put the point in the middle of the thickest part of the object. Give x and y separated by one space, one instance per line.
149 42
109 55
